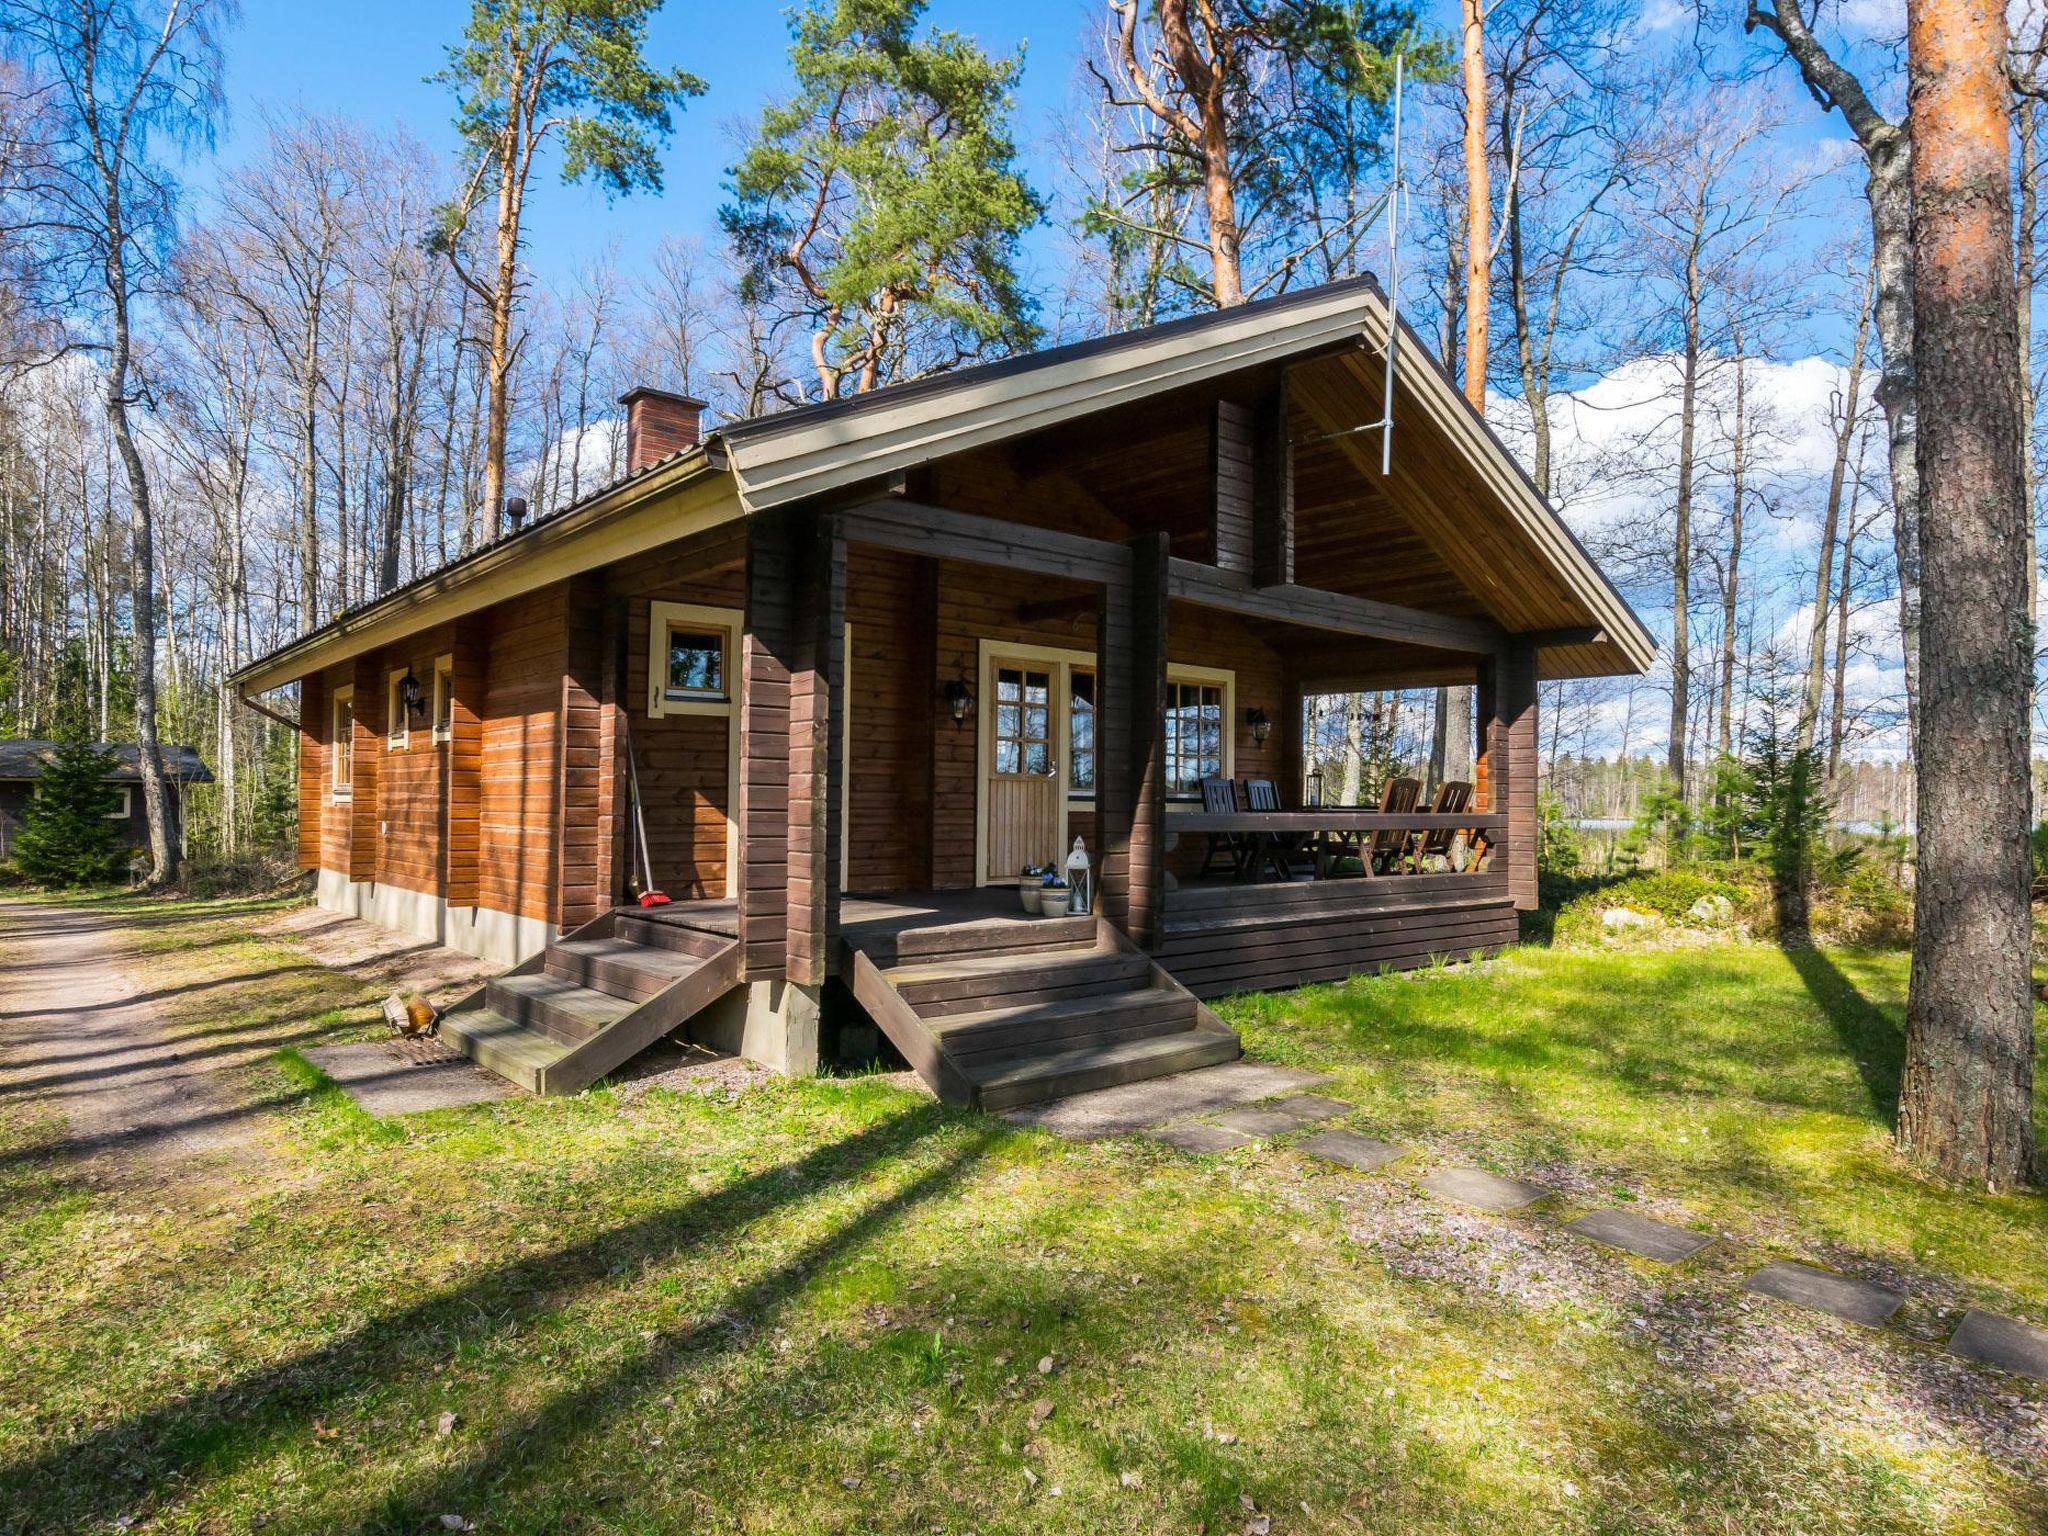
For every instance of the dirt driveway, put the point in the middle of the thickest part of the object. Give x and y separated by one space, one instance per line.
80 1034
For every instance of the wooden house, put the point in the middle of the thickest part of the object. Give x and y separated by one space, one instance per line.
22 761
831 679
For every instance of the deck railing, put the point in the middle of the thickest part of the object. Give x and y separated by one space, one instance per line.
1334 819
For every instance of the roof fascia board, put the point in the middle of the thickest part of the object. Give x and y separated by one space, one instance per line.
647 513
826 453
1504 478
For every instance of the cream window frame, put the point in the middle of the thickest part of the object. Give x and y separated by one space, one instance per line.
444 694
396 713
337 789
663 619
126 808
1225 680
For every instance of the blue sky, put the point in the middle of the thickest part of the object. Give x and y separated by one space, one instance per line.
368 60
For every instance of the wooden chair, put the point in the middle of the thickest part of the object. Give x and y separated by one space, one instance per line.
1219 798
1276 848
1436 843
1384 848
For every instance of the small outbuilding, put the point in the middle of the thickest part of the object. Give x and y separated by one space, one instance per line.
22 762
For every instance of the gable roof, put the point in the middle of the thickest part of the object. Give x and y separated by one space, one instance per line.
771 461
25 759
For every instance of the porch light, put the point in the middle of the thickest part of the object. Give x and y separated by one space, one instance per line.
959 701
1261 726
410 699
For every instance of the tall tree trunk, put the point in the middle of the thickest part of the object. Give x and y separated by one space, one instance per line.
1731 579
1681 546
1478 203
2023 278
156 805
1838 713
1898 389
1831 514
1966 1096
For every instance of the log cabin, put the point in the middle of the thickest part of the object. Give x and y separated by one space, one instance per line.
830 680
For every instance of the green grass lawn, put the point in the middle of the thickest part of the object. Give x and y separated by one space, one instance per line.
823 1306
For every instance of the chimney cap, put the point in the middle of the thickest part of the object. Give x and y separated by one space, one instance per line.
648 392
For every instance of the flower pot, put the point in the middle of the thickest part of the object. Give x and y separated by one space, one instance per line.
1027 894
1052 900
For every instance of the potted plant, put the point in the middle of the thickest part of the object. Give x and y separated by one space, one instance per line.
1027 886
1052 895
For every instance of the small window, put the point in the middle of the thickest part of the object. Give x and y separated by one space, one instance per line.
397 731
696 665
1081 734
123 803
341 776
692 653
444 699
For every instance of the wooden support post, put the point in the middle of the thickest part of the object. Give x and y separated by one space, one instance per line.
1272 491
764 746
817 670
465 762
1293 771
1230 473
582 772
315 757
367 758
1505 770
1130 741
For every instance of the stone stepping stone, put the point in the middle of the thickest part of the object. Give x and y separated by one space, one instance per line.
1262 1122
1488 1191
1353 1150
1842 1296
2002 1342
1195 1136
1311 1106
1640 1235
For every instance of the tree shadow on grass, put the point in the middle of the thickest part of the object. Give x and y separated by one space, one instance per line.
1873 1039
91 1478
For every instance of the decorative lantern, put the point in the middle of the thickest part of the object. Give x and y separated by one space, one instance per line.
1312 791
410 699
1080 884
1261 726
959 701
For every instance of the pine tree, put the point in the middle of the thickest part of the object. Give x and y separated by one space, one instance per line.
67 836
1785 809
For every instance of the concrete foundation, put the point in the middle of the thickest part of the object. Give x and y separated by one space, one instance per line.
773 1022
502 938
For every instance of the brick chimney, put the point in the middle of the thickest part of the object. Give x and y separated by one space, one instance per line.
657 425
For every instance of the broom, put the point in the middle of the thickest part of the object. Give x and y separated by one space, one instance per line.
649 896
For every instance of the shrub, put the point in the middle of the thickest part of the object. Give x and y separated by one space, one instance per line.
1868 908
67 837
1669 897
267 872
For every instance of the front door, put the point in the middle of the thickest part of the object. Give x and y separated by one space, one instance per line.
1023 793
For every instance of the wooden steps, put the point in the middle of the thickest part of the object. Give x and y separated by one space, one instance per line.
595 999
1003 1013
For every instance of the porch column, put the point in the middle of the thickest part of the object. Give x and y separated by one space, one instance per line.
1130 741
816 680
583 767
1505 773
465 761
763 799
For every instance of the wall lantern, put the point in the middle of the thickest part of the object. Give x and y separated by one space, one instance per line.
410 699
959 701
1261 726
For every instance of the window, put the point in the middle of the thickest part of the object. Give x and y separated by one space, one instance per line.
397 726
691 654
342 733
444 698
1081 734
123 803
1195 741
1023 721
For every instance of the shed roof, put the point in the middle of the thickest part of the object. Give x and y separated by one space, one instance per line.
25 759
